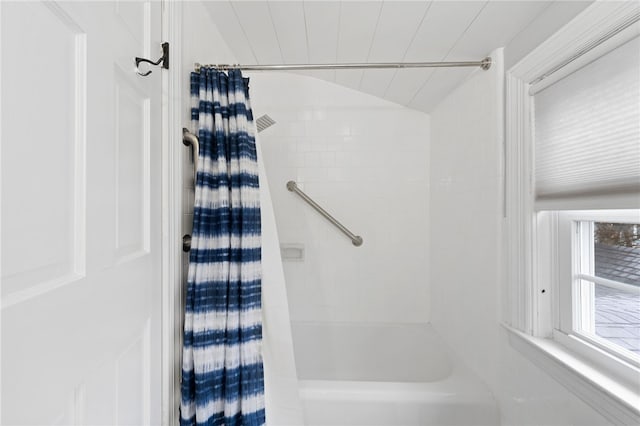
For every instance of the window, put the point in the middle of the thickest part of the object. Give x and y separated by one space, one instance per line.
585 137
598 280
572 208
586 133
608 274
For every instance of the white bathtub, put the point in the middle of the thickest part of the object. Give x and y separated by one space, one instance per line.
400 375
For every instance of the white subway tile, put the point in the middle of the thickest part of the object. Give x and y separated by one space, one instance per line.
368 166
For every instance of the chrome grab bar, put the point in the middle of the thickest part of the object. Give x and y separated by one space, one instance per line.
189 139
356 240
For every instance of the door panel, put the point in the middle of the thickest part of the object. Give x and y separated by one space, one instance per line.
41 105
80 270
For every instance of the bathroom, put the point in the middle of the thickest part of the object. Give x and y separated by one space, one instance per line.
450 309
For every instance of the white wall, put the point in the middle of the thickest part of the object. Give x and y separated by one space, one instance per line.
203 43
466 226
546 23
365 160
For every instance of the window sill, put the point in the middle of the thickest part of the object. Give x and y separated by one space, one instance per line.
614 400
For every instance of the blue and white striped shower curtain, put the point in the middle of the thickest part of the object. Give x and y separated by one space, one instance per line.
222 372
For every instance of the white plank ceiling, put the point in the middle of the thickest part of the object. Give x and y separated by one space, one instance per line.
293 32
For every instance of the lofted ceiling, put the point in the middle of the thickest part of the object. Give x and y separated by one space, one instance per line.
292 32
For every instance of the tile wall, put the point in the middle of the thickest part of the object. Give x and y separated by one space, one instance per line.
365 160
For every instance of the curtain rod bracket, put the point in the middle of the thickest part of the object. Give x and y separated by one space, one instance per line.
486 63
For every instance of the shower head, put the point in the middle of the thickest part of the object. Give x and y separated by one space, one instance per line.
264 122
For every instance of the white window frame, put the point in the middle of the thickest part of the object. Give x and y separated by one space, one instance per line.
535 244
575 259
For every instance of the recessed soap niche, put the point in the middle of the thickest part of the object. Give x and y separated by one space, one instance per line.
292 252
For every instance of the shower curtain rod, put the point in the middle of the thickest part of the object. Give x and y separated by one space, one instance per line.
485 64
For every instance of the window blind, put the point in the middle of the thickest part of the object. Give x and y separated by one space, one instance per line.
587 131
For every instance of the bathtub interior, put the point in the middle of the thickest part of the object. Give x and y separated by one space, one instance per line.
353 374
407 353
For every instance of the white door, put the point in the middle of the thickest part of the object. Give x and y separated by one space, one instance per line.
80 213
